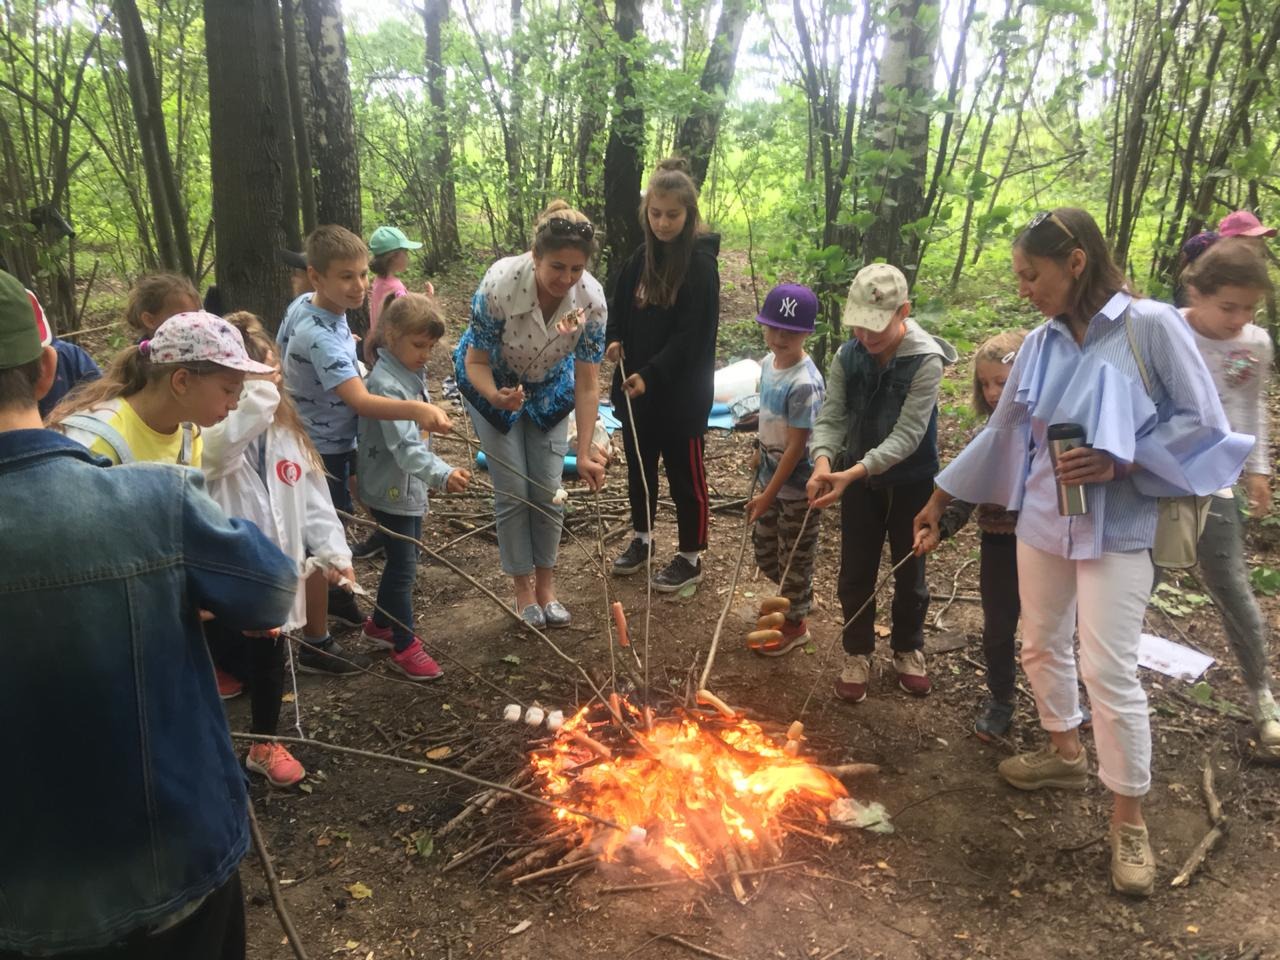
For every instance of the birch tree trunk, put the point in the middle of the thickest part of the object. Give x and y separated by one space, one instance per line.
696 139
435 14
336 157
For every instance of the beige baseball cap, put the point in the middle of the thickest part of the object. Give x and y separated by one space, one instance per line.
876 293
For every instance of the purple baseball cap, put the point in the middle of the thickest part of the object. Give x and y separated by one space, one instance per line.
789 306
1242 223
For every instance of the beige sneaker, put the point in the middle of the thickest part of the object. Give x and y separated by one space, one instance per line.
912 676
1046 768
1133 864
1266 715
852 685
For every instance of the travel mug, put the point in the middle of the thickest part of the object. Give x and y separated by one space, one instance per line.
1072 501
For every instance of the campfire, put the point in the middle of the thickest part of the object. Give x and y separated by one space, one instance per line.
696 793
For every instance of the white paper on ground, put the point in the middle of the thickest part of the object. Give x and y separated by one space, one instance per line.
1171 659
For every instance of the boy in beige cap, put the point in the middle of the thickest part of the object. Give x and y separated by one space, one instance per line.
875 449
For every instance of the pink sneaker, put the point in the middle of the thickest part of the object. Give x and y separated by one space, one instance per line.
228 686
275 763
379 635
415 663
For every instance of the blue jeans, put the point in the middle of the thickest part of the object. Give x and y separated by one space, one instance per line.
395 592
527 537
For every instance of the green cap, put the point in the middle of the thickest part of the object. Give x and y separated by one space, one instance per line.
19 337
386 239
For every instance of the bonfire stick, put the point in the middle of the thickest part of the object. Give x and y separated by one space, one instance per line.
1217 829
648 514
273 885
595 746
703 951
733 586
851 769
568 866
466 856
531 859
435 768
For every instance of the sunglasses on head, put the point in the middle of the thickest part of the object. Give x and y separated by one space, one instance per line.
560 227
1048 216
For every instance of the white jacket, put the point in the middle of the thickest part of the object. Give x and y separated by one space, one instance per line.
293 508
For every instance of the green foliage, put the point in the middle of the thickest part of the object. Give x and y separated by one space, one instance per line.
1265 580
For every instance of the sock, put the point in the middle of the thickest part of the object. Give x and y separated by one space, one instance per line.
691 555
642 537
320 642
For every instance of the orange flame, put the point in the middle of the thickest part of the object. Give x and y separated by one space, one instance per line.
697 790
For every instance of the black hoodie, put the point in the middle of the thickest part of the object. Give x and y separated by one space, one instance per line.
672 348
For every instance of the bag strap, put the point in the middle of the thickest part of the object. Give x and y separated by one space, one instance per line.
103 431
1137 354
184 455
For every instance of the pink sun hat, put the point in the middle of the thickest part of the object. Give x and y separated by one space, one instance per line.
1242 223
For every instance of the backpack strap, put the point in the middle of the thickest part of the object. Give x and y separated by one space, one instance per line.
188 434
103 431
1137 354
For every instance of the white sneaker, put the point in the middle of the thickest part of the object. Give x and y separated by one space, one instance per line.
1266 715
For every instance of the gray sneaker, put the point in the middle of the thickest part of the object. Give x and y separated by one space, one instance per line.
632 559
677 575
1133 863
1046 768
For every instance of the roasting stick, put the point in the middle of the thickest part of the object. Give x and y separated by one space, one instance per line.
648 515
733 586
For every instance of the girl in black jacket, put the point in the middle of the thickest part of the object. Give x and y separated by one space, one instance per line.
663 318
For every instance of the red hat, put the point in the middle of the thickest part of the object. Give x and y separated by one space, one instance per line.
42 324
1242 223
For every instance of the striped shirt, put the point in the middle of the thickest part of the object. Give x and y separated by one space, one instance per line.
1181 443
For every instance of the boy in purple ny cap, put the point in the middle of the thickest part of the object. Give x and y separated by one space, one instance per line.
791 392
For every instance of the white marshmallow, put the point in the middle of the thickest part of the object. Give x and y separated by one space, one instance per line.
555 720
560 497
637 836
533 716
512 712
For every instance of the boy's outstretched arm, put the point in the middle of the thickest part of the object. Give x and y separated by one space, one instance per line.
372 407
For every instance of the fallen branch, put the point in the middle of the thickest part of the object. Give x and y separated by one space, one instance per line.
1217 829
702 951
273 885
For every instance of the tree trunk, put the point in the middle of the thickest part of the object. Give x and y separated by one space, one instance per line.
144 93
697 137
297 115
335 150
281 108
447 243
591 116
624 154
901 130
244 158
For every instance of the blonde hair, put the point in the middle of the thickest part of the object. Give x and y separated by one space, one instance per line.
129 373
544 241
151 291
331 242
660 282
408 316
261 347
1002 348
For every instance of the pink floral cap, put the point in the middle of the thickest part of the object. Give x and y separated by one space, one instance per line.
195 336
1242 223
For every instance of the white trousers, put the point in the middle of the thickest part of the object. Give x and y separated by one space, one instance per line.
1109 597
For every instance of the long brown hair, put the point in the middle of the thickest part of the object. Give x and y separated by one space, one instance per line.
261 347
994 350
149 293
1231 262
407 316
129 373
667 264
1055 236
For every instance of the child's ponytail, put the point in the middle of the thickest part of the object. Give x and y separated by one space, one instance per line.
129 372
1231 262
409 315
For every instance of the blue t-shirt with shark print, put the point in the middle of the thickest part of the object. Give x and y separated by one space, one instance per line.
317 355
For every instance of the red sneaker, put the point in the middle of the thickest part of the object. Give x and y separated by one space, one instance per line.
912 676
415 663
228 686
852 685
793 635
275 763
379 635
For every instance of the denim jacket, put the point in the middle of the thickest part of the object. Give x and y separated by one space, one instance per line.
130 804
396 466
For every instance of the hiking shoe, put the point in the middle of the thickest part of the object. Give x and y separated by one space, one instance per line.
380 635
633 558
415 663
370 548
793 635
994 721
912 677
677 575
534 617
228 686
1266 715
1133 863
274 762
330 657
342 607
556 615
852 685
1046 768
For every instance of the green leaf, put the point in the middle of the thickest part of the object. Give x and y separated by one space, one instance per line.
687 591
1265 580
512 659
1202 692
423 842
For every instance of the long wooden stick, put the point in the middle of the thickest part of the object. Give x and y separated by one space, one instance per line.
648 513
1217 828
733 586
273 885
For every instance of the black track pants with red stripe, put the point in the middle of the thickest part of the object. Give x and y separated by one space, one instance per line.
686 476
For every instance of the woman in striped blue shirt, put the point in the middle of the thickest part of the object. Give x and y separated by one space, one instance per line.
1095 568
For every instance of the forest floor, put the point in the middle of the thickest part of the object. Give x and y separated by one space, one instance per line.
974 869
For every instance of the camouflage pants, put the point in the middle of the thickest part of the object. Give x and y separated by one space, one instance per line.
774 535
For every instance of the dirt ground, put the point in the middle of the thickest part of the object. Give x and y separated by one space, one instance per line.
974 869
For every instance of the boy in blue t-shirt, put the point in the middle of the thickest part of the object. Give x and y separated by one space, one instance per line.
319 366
791 392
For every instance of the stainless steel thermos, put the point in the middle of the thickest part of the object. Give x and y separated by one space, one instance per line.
1072 501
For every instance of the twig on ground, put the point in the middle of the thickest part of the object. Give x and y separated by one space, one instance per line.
688 945
955 587
273 885
1217 828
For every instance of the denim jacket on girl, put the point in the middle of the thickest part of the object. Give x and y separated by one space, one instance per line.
396 465
130 804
